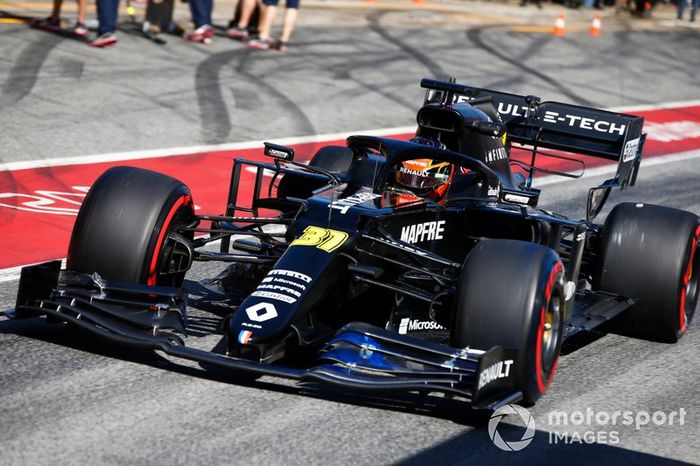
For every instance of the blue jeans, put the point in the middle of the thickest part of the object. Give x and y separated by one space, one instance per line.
290 3
201 12
693 9
107 13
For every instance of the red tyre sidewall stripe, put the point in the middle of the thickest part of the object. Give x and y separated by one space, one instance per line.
183 200
541 386
686 279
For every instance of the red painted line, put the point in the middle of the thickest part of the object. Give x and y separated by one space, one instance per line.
38 205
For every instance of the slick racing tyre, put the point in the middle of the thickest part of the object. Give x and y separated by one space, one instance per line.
512 295
124 229
649 253
334 159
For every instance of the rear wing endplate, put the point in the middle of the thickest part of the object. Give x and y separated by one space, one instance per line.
555 125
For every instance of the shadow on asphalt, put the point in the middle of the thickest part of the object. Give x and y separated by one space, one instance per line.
471 447
475 447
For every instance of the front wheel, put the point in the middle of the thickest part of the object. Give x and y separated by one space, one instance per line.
512 295
125 229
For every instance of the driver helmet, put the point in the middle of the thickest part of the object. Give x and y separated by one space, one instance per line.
425 177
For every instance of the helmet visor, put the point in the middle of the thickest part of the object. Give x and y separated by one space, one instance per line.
423 174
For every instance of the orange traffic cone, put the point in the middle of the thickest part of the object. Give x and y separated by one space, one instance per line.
596 26
559 26
418 2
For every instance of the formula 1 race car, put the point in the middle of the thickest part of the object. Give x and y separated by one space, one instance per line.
387 265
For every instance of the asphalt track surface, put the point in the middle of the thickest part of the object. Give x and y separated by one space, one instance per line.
60 98
71 399
68 398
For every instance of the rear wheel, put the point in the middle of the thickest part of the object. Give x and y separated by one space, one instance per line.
512 296
125 228
649 253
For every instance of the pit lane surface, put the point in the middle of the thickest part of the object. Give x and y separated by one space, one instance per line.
39 200
69 399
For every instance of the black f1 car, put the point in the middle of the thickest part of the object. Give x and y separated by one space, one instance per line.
341 272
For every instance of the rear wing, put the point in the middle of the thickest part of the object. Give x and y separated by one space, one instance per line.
556 125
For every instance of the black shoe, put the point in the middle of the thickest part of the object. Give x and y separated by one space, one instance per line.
47 23
279 46
80 30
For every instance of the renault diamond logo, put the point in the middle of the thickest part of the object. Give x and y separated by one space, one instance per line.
261 312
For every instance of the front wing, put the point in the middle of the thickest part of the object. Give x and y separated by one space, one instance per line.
360 356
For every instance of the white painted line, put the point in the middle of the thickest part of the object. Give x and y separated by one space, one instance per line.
12 273
650 107
192 150
176 151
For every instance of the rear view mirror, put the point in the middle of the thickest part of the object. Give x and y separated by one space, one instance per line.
279 152
597 197
489 128
513 196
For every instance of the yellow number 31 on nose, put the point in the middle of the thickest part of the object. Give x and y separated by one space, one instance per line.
323 238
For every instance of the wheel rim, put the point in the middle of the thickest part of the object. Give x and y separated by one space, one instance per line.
550 332
691 286
692 289
179 209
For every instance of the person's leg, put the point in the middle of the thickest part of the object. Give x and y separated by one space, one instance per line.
56 11
79 27
107 13
113 15
267 14
238 26
261 14
681 8
266 18
82 6
201 12
208 6
693 10
290 19
247 9
619 4
197 10
201 16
